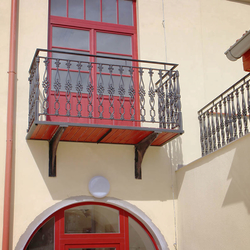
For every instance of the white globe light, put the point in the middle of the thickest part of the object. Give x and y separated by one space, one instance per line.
99 186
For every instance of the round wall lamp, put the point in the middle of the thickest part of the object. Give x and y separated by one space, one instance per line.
99 186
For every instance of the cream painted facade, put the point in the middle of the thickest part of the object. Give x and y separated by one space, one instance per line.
213 200
205 194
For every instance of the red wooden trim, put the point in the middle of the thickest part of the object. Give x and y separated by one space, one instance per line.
80 50
104 245
246 61
79 23
126 228
116 54
71 70
95 135
163 138
64 241
57 229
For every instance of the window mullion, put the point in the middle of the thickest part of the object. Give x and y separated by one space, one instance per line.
84 9
117 6
67 8
101 9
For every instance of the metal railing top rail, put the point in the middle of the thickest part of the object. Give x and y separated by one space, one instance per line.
172 65
226 118
223 94
124 92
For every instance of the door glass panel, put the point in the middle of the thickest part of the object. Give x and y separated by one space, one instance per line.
44 238
116 75
74 78
126 12
138 238
91 219
70 38
109 10
115 63
93 12
113 43
117 82
58 8
73 58
76 9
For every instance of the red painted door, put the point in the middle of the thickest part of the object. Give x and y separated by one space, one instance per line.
93 247
105 28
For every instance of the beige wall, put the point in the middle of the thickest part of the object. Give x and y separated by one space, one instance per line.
213 200
152 194
197 34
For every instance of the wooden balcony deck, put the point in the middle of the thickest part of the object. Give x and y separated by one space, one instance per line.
97 133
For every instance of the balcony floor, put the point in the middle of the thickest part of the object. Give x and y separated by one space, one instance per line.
96 133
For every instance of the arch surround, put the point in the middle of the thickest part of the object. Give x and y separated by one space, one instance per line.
128 207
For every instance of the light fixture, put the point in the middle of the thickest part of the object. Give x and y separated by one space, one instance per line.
99 186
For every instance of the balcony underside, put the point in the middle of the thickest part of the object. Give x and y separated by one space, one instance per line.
97 133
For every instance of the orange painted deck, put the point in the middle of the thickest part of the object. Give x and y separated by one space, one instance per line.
100 134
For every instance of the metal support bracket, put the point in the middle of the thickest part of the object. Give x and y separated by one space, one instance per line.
53 144
140 150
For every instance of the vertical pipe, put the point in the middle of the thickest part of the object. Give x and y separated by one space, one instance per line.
9 134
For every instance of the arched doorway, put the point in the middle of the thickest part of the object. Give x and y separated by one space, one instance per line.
91 226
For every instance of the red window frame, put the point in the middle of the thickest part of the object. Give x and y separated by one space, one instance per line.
62 240
93 27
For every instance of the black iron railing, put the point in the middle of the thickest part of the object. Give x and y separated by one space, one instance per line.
76 85
226 118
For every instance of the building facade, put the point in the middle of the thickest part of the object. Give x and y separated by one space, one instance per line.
96 155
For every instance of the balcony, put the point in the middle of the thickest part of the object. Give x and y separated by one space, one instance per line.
226 118
100 99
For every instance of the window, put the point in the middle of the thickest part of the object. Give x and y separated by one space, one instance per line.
95 27
91 226
107 11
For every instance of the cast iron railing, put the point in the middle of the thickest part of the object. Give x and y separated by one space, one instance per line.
68 84
226 118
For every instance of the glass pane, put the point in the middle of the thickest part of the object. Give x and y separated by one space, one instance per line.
58 8
44 238
93 12
70 38
74 76
115 63
138 238
117 82
126 12
109 9
76 9
91 219
74 59
113 43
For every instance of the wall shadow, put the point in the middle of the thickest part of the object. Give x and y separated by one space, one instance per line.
239 1
239 176
237 169
77 163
